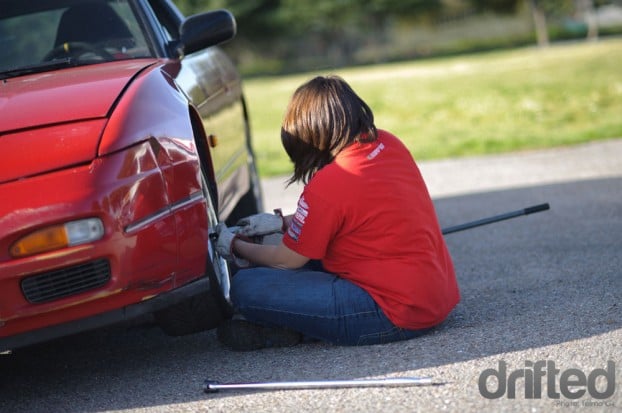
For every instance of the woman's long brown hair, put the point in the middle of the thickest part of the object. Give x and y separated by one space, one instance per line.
323 117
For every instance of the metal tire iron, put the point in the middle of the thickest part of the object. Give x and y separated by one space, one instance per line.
214 386
496 218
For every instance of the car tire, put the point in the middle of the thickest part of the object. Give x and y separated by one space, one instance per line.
208 310
199 313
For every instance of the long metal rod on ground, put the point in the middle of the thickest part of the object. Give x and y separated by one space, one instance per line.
214 386
496 218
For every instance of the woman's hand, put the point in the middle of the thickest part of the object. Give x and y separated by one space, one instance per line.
260 224
224 245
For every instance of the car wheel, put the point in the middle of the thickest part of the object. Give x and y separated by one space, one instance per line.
208 310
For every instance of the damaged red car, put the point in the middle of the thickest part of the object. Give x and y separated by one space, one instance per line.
124 139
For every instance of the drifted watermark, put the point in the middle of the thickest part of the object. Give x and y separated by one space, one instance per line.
571 384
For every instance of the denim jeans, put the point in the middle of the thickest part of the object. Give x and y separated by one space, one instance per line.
315 303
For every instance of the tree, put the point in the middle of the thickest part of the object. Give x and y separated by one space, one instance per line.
539 21
585 8
497 6
540 10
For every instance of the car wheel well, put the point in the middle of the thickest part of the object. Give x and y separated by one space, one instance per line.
204 311
205 159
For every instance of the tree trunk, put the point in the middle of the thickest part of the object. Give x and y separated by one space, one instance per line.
539 20
585 8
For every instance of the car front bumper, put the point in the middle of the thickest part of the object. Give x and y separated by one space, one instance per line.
161 301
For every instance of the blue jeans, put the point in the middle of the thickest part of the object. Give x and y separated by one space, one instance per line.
315 303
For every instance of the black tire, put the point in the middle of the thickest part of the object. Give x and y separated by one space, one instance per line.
208 310
199 313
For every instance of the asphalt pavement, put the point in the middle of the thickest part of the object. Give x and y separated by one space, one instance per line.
538 329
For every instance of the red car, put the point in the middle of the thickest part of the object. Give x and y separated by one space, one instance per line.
124 139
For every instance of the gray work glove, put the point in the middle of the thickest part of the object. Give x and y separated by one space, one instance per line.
260 224
224 246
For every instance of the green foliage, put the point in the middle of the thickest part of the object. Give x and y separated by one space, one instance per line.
256 19
289 36
556 7
189 7
265 19
498 6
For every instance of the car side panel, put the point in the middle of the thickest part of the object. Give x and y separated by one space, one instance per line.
154 108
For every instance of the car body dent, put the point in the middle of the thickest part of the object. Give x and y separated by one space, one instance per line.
152 259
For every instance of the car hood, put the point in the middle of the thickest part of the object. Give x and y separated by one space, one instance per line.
67 95
55 119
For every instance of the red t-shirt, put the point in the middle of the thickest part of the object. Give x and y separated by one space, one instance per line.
370 219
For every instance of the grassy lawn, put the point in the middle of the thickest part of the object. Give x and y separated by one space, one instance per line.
468 105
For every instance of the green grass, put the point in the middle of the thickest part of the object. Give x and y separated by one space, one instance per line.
469 105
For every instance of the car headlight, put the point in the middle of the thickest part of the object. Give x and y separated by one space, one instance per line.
58 236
